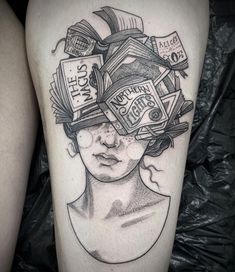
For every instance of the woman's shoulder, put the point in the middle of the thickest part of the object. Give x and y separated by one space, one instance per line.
80 206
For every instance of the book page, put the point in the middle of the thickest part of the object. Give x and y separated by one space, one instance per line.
125 20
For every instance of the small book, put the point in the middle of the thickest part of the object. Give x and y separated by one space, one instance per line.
171 48
81 39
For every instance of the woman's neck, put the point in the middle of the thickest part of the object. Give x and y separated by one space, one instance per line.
104 195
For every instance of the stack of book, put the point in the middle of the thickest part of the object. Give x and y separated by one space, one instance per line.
128 79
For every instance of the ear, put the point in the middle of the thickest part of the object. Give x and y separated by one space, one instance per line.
71 150
152 142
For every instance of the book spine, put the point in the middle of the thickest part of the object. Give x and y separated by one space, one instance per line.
114 25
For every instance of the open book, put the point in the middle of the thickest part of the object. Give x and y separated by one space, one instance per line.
171 48
131 103
119 20
133 57
72 94
127 78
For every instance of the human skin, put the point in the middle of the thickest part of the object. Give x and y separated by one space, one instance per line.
18 122
114 196
47 24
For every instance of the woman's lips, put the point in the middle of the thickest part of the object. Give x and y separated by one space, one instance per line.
107 160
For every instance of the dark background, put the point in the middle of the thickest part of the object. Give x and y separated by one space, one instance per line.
205 235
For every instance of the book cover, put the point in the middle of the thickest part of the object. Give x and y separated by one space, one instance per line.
171 48
71 91
81 39
134 105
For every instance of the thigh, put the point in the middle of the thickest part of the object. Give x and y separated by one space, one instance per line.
116 84
18 121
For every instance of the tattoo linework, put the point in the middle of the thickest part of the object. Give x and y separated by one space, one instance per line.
119 99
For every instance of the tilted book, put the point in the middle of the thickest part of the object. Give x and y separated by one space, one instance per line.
119 20
131 103
81 39
171 48
133 57
72 93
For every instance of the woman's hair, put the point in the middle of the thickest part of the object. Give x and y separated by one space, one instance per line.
159 144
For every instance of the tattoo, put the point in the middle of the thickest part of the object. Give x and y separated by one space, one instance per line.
119 100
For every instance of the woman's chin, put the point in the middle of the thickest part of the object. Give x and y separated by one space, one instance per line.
110 173
106 176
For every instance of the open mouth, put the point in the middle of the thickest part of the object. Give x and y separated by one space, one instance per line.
107 160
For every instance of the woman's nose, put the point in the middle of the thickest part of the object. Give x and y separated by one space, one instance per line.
110 137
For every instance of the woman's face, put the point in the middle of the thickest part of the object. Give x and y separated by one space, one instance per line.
107 155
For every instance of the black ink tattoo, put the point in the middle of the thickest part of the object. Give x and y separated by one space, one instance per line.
120 99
